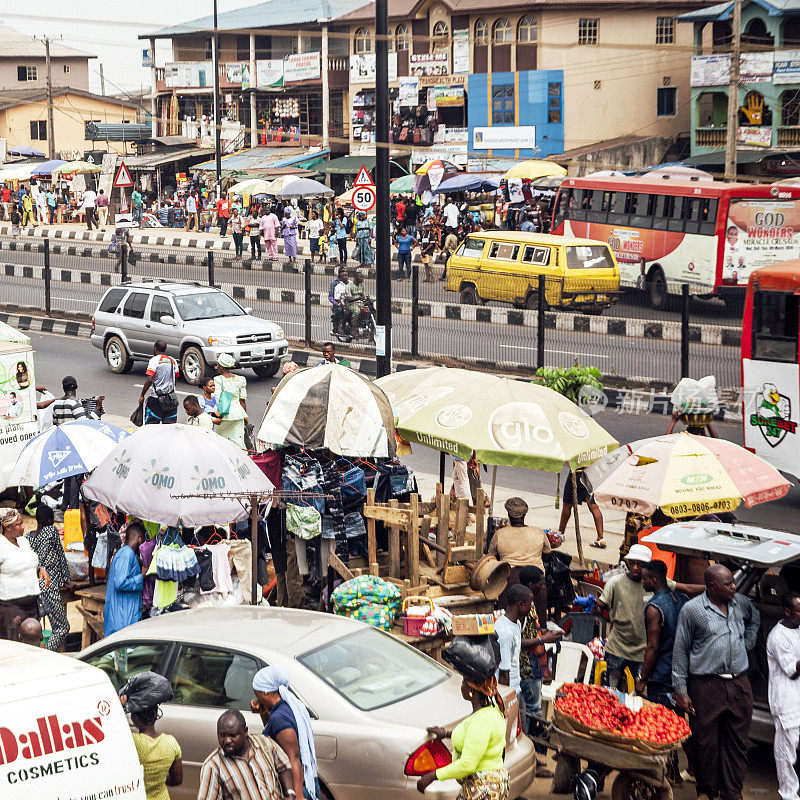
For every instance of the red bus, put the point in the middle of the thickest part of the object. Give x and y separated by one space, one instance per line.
709 234
771 365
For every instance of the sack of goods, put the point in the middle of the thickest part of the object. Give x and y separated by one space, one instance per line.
146 690
474 657
367 599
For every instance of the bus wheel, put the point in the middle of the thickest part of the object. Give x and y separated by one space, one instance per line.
659 294
469 296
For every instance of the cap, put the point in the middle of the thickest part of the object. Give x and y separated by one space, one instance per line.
226 360
639 552
516 507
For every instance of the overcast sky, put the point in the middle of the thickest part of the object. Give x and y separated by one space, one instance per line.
109 30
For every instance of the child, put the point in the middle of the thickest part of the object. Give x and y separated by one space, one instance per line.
323 248
14 221
333 250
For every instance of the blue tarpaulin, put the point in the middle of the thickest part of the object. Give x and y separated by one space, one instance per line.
47 167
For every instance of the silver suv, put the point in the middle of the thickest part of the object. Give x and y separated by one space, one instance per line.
197 322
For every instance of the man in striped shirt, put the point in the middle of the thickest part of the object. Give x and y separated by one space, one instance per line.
65 409
244 766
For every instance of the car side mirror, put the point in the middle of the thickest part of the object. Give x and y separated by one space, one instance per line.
168 320
248 310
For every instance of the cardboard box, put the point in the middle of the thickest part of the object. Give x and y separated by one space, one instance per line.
473 624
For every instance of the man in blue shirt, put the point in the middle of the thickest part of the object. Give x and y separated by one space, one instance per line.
125 582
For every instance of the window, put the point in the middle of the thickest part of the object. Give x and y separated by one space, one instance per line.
371 669
135 305
403 37
503 105
536 255
123 662
27 73
160 307
666 101
481 32
441 36
209 47
111 300
554 102
589 256
665 30
362 42
472 248
587 30
501 31
776 317
242 47
528 30
207 305
504 251
66 69
38 130
205 676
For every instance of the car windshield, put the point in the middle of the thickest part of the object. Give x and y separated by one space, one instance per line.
371 669
207 305
589 256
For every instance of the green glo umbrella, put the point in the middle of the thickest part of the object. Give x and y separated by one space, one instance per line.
402 185
506 422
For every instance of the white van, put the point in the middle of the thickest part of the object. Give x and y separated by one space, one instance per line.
63 732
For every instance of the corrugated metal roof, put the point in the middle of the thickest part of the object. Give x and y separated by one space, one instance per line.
14 44
117 131
171 156
10 98
271 14
264 158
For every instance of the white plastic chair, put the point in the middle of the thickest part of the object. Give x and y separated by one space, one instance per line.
568 668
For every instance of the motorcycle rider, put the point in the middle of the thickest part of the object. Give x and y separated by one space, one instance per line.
354 299
335 296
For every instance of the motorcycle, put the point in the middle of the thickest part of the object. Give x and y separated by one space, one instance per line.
360 327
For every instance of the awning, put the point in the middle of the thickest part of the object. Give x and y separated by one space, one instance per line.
164 158
351 165
264 158
117 131
742 157
18 172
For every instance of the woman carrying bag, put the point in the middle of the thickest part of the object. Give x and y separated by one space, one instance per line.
231 393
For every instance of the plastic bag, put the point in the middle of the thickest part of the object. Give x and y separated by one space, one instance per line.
475 657
695 397
146 690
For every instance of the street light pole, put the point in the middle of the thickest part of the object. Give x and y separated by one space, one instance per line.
732 130
383 254
217 114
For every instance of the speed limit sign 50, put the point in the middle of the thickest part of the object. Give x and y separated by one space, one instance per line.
364 198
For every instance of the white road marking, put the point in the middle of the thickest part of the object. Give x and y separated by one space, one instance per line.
563 352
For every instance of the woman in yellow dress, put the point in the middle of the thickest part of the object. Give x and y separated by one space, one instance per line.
235 418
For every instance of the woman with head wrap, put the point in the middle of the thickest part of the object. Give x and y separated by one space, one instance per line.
286 720
19 576
366 255
289 234
233 388
479 742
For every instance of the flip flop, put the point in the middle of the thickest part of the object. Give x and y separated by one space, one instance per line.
600 544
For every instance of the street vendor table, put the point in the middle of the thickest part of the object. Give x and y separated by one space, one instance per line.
430 645
93 601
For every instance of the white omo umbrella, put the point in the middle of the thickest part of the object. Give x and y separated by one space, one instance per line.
159 472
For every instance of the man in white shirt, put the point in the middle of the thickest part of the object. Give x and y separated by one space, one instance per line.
89 201
158 391
783 658
509 633
191 211
195 415
450 216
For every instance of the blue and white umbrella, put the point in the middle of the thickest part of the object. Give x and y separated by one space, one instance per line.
73 448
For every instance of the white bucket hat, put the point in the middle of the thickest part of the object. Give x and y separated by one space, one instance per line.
639 552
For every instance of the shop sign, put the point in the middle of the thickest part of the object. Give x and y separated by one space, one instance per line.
449 96
189 74
756 67
441 80
455 153
362 67
710 70
786 67
269 73
502 137
461 52
754 137
408 91
430 64
301 67
456 134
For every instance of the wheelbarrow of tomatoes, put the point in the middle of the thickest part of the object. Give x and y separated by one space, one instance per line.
591 724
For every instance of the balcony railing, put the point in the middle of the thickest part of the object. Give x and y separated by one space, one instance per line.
789 136
709 137
338 63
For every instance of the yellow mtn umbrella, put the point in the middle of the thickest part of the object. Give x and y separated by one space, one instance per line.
533 169
251 187
76 168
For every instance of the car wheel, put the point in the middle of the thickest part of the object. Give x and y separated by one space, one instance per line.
469 296
267 370
117 356
659 293
324 793
193 365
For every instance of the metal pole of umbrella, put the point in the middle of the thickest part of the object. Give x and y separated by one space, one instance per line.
575 512
254 584
441 467
491 497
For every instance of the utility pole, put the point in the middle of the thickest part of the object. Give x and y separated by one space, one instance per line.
731 134
217 109
105 106
383 255
51 134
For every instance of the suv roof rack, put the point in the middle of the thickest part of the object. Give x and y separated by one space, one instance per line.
161 283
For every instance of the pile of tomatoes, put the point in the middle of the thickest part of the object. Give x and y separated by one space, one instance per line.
596 707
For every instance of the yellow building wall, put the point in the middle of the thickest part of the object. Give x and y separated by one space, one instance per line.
69 114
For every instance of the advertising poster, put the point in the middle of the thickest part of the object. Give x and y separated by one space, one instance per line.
449 96
461 52
755 67
786 67
758 233
17 385
362 67
710 70
754 136
269 73
771 408
301 67
233 72
425 64
408 91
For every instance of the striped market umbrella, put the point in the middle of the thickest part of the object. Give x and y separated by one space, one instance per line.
330 406
685 476
73 448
